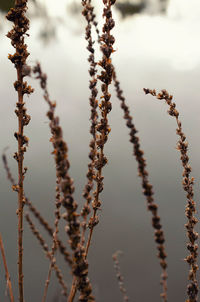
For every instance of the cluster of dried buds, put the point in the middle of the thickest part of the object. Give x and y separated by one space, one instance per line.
21 25
89 16
80 265
105 106
187 183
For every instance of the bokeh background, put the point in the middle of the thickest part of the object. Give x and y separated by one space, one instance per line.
157 46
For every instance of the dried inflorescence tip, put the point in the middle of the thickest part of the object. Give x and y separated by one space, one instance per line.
105 107
187 183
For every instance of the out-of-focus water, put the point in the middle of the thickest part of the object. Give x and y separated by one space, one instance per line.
152 50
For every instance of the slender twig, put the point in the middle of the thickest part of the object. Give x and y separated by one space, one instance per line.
119 276
6 270
55 237
188 182
17 34
48 253
37 214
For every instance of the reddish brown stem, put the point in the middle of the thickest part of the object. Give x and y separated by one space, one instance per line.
6 270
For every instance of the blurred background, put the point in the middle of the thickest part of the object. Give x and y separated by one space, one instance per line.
157 46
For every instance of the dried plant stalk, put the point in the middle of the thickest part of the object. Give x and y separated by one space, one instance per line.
98 158
37 214
48 254
6 270
17 34
105 106
147 187
119 276
188 182
80 265
88 14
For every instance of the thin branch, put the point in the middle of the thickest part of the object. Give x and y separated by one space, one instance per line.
6 270
37 214
119 276
48 253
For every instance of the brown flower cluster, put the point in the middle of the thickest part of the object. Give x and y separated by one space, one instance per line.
80 265
187 183
147 187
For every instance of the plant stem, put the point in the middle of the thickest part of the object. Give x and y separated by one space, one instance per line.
20 186
6 270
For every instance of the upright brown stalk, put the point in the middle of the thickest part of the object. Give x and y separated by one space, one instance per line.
17 34
146 185
6 270
188 182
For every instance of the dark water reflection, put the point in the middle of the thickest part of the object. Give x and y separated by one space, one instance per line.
124 222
